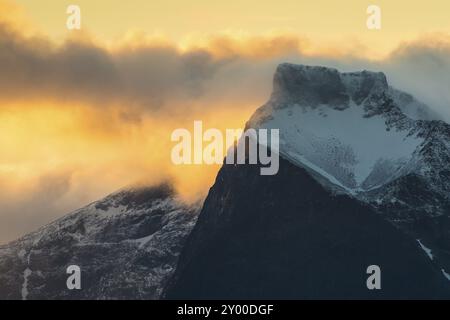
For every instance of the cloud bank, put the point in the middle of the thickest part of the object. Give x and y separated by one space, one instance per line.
153 76
120 103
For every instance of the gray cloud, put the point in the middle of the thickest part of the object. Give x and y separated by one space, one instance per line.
40 203
424 71
163 79
82 71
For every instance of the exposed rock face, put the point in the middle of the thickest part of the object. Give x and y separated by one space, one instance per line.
364 181
310 86
286 236
358 135
126 245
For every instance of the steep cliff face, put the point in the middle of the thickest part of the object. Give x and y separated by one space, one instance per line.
286 236
363 180
355 133
353 127
126 246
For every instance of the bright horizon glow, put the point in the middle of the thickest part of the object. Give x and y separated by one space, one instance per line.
325 23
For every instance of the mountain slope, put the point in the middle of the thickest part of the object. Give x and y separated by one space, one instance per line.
126 245
363 180
354 126
286 236
358 135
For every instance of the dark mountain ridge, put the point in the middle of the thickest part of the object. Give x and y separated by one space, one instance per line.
287 237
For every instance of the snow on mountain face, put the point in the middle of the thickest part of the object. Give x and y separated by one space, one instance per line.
357 135
291 235
126 245
411 107
340 148
351 128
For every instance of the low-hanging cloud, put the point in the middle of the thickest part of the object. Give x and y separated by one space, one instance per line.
82 71
152 77
162 81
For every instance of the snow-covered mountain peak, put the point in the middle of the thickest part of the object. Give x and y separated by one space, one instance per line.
315 85
352 129
306 85
126 244
360 85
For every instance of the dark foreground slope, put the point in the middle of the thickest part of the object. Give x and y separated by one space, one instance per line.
285 236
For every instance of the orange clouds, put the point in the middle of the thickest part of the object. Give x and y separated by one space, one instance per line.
55 159
80 119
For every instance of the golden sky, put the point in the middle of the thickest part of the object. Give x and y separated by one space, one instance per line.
323 21
84 113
